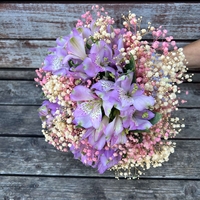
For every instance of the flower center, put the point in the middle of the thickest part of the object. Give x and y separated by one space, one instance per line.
56 63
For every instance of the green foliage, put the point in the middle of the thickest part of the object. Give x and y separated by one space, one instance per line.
131 68
156 118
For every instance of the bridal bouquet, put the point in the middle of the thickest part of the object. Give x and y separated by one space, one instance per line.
109 94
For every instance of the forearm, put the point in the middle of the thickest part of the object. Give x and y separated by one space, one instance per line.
192 54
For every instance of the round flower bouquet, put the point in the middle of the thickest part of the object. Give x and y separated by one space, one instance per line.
109 94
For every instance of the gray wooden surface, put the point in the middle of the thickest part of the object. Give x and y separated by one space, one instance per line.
30 168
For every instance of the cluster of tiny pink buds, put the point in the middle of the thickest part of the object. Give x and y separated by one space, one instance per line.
87 17
42 76
163 46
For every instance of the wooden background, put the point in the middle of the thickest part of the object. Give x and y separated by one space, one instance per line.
32 169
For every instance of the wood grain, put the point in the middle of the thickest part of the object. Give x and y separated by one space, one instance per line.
96 189
26 93
30 53
17 74
25 121
193 97
33 156
23 53
20 120
47 21
20 92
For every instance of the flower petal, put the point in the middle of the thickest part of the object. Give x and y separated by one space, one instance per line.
107 106
100 143
83 121
89 67
82 115
126 83
121 139
103 85
96 115
81 93
118 126
86 32
124 98
143 102
110 128
145 114
142 124
76 47
68 58
88 132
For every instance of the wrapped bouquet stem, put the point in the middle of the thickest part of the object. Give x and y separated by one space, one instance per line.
109 94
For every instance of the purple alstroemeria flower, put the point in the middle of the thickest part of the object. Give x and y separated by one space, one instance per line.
87 64
101 54
53 62
61 41
81 64
130 94
48 109
115 133
136 120
75 54
85 32
96 137
107 160
104 89
90 68
88 112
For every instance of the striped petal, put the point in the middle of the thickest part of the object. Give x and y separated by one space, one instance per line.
76 47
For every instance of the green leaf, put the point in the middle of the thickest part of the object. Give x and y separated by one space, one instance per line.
71 64
93 40
156 118
78 126
88 46
114 112
131 67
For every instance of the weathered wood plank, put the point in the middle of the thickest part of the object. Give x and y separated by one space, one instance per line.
24 121
96 189
20 120
26 92
193 97
196 77
20 92
23 53
33 156
29 53
16 74
53 20
191 121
